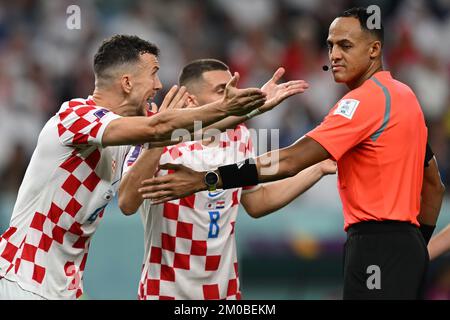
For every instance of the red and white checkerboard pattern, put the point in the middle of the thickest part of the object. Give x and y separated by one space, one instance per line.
182 262
46 247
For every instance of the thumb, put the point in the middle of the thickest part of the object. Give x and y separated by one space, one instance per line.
153 107
278 74
233 81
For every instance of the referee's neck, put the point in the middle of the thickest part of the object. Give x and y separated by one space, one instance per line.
377 67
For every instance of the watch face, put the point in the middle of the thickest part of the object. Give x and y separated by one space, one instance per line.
211 178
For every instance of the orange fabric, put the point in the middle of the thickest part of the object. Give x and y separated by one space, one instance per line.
379 146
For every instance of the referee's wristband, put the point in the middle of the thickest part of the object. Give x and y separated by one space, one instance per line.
238 175
427 231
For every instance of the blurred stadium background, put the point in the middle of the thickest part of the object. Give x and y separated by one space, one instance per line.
295 253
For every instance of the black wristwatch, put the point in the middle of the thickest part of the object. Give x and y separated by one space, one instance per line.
211 180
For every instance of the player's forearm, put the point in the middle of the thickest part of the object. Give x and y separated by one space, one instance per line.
162 129
171 120
440 243
212 130
144 168
275 195
228 123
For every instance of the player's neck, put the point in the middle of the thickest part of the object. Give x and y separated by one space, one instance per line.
377 67
108 100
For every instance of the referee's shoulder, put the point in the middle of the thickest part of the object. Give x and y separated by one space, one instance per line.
367 93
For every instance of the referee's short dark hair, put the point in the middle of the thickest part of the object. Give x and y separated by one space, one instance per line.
121 49
195 69
361 13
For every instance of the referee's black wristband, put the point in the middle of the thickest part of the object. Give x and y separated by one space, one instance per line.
238 175
427 231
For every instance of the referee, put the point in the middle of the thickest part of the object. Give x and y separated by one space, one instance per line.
378 137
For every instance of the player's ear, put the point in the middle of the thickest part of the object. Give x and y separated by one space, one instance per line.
126 83
375 49
192 101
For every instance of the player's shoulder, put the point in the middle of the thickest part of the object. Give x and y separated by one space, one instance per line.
82 106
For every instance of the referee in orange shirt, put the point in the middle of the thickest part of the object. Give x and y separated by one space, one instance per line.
378 137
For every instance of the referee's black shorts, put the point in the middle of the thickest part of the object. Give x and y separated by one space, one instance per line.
384 260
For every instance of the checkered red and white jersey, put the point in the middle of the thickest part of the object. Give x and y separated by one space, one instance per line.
190 247
68 183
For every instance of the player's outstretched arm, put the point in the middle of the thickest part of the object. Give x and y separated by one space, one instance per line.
138 130
275 94
142 162
272 196
274 165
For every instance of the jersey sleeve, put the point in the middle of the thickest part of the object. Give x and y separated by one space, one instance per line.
353 119
83 125
131 157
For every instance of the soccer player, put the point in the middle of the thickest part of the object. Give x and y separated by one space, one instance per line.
190 247
76 166
377 135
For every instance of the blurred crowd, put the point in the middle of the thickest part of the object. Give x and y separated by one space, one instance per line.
43 63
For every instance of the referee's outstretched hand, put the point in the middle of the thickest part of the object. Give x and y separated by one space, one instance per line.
277 93
180 183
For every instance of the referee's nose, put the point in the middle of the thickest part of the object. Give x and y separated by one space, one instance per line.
335 54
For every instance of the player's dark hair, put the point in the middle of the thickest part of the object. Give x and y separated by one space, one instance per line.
362 15
195 69
121 49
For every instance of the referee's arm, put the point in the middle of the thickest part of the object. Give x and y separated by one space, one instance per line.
431 196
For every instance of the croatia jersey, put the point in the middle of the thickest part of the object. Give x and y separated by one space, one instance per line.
68 183
190 247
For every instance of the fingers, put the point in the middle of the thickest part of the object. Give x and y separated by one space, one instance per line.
168 98
153 107
163 199
233 81
174 98
250 92
278 74
179 100
157 194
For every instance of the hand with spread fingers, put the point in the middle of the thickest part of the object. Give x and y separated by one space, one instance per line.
181 183
240 102
176 98
277 93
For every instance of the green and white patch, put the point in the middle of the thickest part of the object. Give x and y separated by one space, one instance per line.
347 108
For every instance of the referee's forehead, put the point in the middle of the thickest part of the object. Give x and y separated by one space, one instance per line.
345 28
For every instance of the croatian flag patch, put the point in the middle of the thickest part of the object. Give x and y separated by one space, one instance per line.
347 108
101 113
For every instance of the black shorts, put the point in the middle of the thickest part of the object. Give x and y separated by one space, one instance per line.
384 260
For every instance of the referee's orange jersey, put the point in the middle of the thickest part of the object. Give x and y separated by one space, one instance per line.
377 135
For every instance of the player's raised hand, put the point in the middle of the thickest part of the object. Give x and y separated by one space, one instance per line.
239 102
276 93
176 98
181 183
